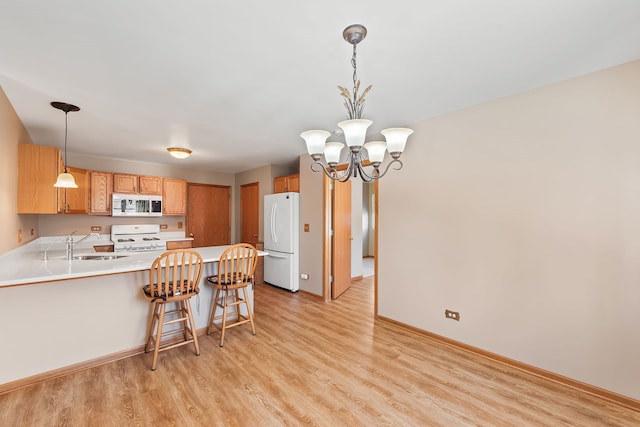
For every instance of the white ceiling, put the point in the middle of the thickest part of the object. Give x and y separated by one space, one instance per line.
237 81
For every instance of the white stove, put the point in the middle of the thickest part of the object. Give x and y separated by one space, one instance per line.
137 238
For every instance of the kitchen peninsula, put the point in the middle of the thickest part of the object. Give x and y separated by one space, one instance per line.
72 314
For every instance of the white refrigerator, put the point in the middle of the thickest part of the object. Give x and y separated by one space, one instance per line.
282 240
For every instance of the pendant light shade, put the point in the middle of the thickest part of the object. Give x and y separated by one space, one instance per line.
65 179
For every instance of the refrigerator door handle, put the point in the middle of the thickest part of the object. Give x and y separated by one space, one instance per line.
276 256
273 222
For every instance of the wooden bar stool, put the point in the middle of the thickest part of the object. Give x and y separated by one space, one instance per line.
235 273
174 278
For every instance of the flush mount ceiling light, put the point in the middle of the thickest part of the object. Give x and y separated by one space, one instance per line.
65 179
179 153
355 132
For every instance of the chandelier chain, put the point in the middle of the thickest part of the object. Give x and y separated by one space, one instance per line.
355 74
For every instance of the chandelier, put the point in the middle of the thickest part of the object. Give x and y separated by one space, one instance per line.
360 155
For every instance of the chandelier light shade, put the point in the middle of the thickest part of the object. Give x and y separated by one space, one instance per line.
360 155
179 153
65 179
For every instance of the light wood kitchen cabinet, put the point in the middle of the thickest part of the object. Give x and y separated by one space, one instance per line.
125 183
136 184
150 185
287 183
75 200
179 244
100 191
174 196
38 169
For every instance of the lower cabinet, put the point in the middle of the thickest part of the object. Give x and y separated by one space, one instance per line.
178 244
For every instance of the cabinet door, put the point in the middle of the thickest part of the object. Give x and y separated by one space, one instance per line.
75 200
38 168
125 183
179 244
174 196
293 183
150 185
100 190
280 184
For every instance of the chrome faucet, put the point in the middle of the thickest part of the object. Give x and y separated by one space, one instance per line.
71 243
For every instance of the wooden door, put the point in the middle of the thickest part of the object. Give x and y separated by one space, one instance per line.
341 241
250 212
209 214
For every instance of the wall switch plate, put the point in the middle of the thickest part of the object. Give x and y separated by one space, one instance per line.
179 224
96 228
306 228
452 315
20 235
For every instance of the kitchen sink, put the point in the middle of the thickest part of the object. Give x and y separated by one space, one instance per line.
97 257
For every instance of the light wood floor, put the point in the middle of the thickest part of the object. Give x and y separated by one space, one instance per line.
312 363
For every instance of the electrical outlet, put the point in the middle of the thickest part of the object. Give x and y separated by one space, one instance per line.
20 235
304 276
96 228
306 228
163 226
452 315
179 225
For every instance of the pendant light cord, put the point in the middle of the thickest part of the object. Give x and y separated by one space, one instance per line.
65 140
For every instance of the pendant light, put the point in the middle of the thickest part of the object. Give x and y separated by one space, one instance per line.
65 179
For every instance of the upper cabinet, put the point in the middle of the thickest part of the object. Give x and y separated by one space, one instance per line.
125 183
174 196
151 185
75 200
287 183
137 184
38 168
100 190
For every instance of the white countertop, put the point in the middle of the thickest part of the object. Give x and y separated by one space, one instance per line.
26 265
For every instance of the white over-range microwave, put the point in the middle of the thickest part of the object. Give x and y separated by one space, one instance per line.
136 205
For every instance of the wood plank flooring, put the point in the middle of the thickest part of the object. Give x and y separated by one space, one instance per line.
311 363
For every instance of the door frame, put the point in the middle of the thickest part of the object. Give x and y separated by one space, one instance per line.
326 241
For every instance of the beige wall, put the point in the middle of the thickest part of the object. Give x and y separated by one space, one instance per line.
523 214
12 132
312 213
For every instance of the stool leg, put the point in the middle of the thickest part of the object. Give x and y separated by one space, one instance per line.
213 311
192 325
224 316
248 304
156 349
154 318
